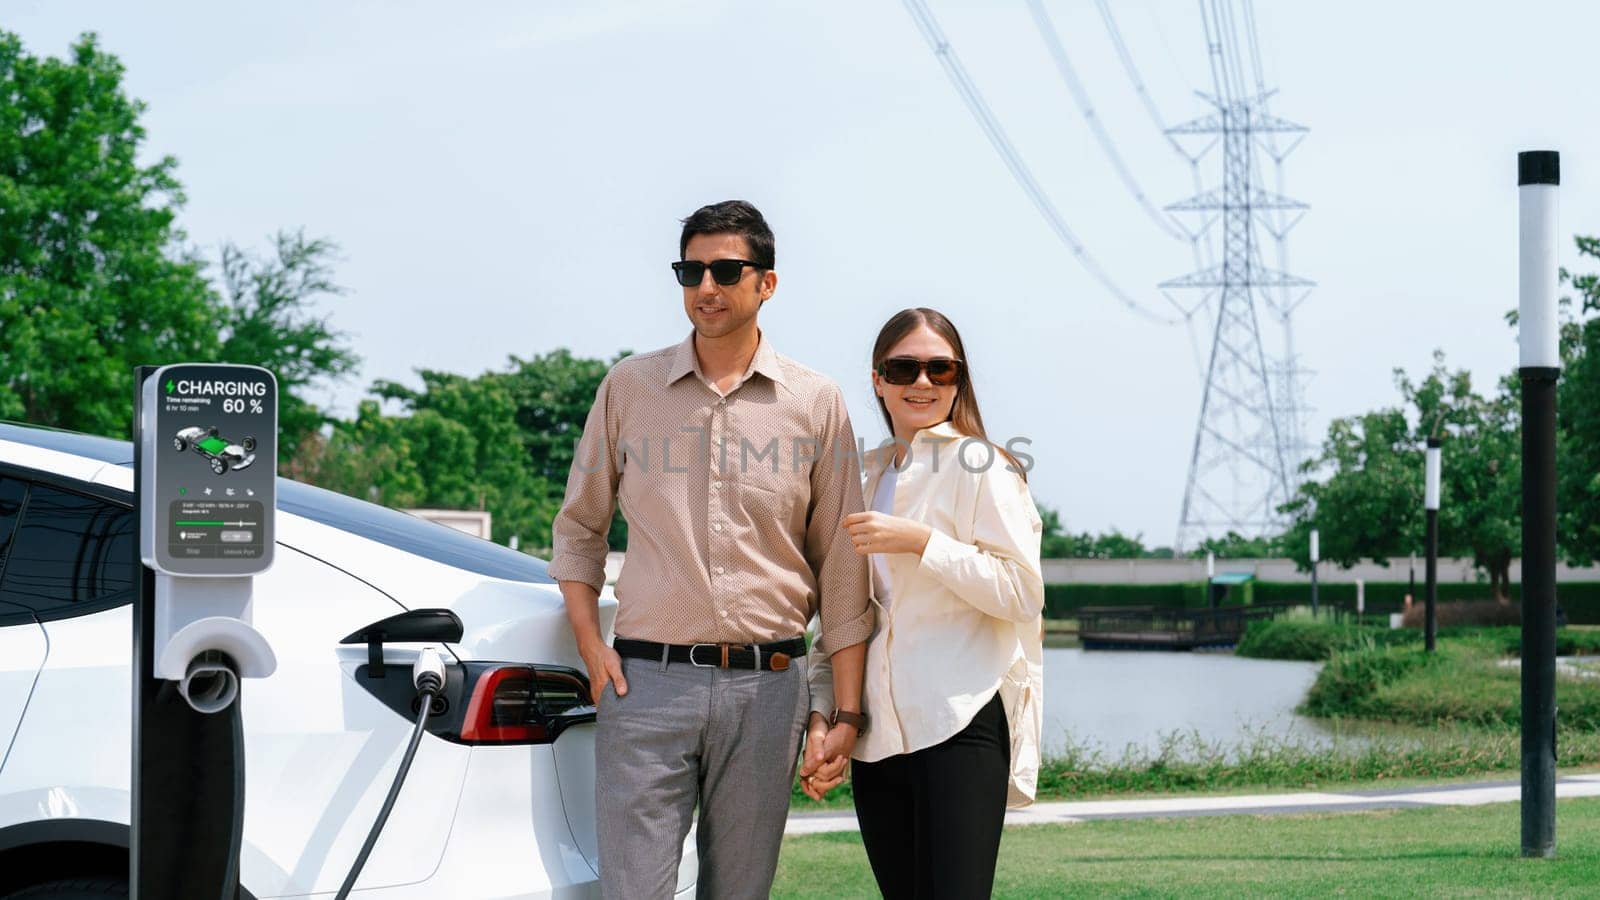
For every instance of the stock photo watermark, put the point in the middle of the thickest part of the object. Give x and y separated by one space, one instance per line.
694 447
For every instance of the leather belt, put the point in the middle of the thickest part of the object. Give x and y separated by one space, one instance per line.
770 657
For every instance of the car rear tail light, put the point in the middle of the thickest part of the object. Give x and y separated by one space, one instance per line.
525 705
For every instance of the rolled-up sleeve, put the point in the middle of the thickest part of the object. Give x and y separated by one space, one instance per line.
999 573
846 614
819 677
578 534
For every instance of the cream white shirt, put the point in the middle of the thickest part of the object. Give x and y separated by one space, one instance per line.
882 501
967 620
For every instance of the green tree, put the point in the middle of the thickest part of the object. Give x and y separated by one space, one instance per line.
470 453
92 277
1054 542
1480 502
266 320
1578 415
370 457
94 274
1116 545
1234 545
1369 505
1058 543
501 441
552 394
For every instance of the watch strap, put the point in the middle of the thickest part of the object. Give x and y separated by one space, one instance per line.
859 720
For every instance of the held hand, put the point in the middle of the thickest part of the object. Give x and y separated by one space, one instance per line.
840 744
875 532
605 666
837 744
827 778
816 736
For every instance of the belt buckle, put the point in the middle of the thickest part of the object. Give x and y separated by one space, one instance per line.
696 663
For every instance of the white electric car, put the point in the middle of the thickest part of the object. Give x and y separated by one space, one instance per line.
499 801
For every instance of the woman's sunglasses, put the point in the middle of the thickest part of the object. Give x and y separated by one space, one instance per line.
903 370
723 271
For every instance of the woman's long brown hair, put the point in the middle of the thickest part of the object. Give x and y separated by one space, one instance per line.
964 414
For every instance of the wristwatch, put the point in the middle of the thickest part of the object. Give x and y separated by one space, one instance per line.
859 720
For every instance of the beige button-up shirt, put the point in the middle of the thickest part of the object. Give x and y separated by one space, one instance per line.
734 502
965 621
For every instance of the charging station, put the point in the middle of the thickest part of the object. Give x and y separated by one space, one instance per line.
205 461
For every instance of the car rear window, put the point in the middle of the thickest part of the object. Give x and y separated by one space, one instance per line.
68 550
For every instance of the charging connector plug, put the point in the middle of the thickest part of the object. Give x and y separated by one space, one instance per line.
427 675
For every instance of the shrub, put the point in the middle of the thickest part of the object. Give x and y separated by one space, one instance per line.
1313 641
1351 678
1292 640
1466 682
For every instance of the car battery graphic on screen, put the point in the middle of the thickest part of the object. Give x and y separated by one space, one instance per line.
223 455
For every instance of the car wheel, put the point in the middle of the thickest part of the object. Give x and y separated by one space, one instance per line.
180 444
75 889
249 444
218 466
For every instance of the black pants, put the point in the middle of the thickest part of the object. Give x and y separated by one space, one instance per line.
931 820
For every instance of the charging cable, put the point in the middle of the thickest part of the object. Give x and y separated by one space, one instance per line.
427 674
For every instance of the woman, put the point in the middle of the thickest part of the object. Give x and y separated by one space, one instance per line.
954 671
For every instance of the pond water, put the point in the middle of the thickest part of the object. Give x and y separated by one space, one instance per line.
1112 701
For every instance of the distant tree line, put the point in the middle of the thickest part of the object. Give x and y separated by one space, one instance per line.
1058 543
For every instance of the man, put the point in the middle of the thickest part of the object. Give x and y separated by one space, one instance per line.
735 468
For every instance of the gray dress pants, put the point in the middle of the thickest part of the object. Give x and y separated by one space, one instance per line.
727 739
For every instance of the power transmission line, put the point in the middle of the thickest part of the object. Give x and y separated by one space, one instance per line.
1201 235
946 54
1201 243
1058 53
1139 88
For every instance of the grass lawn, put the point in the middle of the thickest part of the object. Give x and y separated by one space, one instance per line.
1454 852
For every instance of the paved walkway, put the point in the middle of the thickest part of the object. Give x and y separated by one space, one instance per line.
1467 794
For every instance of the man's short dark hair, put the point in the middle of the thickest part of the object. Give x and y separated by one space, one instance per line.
732 217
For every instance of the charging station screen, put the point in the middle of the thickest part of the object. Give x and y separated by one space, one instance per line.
209 453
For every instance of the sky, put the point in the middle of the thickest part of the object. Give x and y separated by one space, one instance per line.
507 178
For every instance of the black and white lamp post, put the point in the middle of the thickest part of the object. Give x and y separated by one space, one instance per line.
1430 502
1315 556
1211 573
1538 181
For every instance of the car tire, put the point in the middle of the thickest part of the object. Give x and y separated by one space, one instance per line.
75 889
218 466
249 444
180 444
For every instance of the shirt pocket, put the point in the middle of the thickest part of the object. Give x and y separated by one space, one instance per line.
769 499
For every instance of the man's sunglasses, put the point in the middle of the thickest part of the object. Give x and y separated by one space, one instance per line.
723 271
903 370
